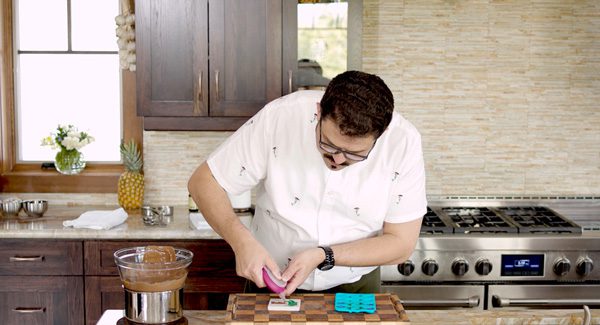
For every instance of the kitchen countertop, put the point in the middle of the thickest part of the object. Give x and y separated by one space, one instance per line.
429 317
50 226
585 212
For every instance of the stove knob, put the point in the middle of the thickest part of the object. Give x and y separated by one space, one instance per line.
483 267
562 266
429 267
584 266
460 267
406 268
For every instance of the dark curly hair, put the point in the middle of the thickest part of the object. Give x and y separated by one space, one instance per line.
360 103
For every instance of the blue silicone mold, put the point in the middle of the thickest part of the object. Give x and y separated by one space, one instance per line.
355 302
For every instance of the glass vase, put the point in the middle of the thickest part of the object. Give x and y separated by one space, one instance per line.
69 162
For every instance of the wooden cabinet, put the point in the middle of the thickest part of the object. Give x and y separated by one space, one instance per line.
206 64
210 279
41 282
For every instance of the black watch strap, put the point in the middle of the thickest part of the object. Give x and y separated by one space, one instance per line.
329 261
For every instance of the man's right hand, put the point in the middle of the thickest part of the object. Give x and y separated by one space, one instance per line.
250 258
250 255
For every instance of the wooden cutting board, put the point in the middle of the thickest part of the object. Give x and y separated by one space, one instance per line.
315 308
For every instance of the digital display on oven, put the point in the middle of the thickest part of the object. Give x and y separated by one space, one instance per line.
522 265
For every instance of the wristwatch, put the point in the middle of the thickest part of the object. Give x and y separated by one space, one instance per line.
329 261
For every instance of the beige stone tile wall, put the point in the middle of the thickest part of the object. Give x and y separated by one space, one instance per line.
170 158
505 93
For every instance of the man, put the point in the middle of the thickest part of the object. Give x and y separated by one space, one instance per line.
341 187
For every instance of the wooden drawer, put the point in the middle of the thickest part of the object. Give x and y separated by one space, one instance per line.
41 300
40 257
212 258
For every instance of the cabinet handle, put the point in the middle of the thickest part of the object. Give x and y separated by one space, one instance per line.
29 310
198 100
38 258
290 74
217 83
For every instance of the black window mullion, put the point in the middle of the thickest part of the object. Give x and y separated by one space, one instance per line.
69 26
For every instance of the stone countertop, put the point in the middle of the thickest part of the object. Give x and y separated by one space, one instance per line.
50 226
428 317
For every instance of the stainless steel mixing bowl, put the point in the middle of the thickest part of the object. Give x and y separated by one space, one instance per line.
11 207
35 208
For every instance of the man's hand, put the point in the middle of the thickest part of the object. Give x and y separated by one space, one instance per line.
300 267
250 257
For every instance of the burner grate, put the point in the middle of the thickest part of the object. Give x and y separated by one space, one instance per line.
467 220
539 220
433 224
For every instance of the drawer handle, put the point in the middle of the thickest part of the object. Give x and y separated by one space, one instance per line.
38 258
30 310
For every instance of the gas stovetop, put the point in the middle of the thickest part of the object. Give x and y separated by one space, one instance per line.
496 220
498 241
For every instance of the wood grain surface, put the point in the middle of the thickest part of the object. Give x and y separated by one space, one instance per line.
315 309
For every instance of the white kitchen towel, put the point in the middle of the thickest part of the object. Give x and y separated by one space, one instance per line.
98 220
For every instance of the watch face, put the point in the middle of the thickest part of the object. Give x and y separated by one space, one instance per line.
325 267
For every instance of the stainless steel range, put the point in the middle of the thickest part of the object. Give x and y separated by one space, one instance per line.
502 254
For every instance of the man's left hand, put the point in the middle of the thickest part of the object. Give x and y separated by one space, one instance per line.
300 267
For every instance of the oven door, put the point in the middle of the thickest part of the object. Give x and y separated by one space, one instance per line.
438 296
543 296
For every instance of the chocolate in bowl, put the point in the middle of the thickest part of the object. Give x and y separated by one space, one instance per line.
142 274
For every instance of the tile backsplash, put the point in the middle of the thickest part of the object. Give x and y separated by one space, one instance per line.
505 94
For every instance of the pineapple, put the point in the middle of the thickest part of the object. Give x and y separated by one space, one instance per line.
131 182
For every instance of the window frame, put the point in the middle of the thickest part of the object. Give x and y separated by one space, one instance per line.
30 177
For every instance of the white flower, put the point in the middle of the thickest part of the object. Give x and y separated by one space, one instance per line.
67 138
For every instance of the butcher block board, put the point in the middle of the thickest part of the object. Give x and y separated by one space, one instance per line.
249 308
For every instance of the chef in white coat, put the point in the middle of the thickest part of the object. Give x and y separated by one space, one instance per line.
340 187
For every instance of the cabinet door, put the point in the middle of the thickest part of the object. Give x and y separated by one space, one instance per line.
41 300
102 293
172 57
245 56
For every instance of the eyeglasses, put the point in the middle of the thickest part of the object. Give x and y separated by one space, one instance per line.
333 150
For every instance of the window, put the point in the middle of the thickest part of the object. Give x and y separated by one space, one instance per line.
322 36
67 73
321 39
66 65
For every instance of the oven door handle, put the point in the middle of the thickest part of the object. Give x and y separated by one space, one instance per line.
470 302
498 301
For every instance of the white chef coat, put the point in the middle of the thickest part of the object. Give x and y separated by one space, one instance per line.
302 204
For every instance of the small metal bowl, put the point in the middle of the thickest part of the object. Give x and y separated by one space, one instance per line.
160 215
11 207
165 210
35 208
